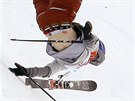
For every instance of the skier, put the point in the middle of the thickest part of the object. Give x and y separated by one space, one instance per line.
55 19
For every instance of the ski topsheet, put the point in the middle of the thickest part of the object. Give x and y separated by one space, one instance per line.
81 85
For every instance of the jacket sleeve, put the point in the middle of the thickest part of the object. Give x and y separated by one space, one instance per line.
93 43
56 67
39 71
46 71
97 50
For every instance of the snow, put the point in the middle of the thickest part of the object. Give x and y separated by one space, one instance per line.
113 22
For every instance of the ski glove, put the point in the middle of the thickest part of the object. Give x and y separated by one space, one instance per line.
19 71
86 30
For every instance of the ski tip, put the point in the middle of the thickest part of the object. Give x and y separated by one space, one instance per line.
93 85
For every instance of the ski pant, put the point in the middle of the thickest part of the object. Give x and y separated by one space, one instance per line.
55 12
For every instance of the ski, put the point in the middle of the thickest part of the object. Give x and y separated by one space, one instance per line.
80 85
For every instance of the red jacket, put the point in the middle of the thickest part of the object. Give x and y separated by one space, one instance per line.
55 12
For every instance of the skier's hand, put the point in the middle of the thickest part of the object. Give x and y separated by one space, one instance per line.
87 30
77 28
19 71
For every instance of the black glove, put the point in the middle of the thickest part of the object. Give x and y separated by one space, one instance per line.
19 71
87 30
77 28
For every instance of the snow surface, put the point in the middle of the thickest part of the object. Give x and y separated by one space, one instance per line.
113 22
